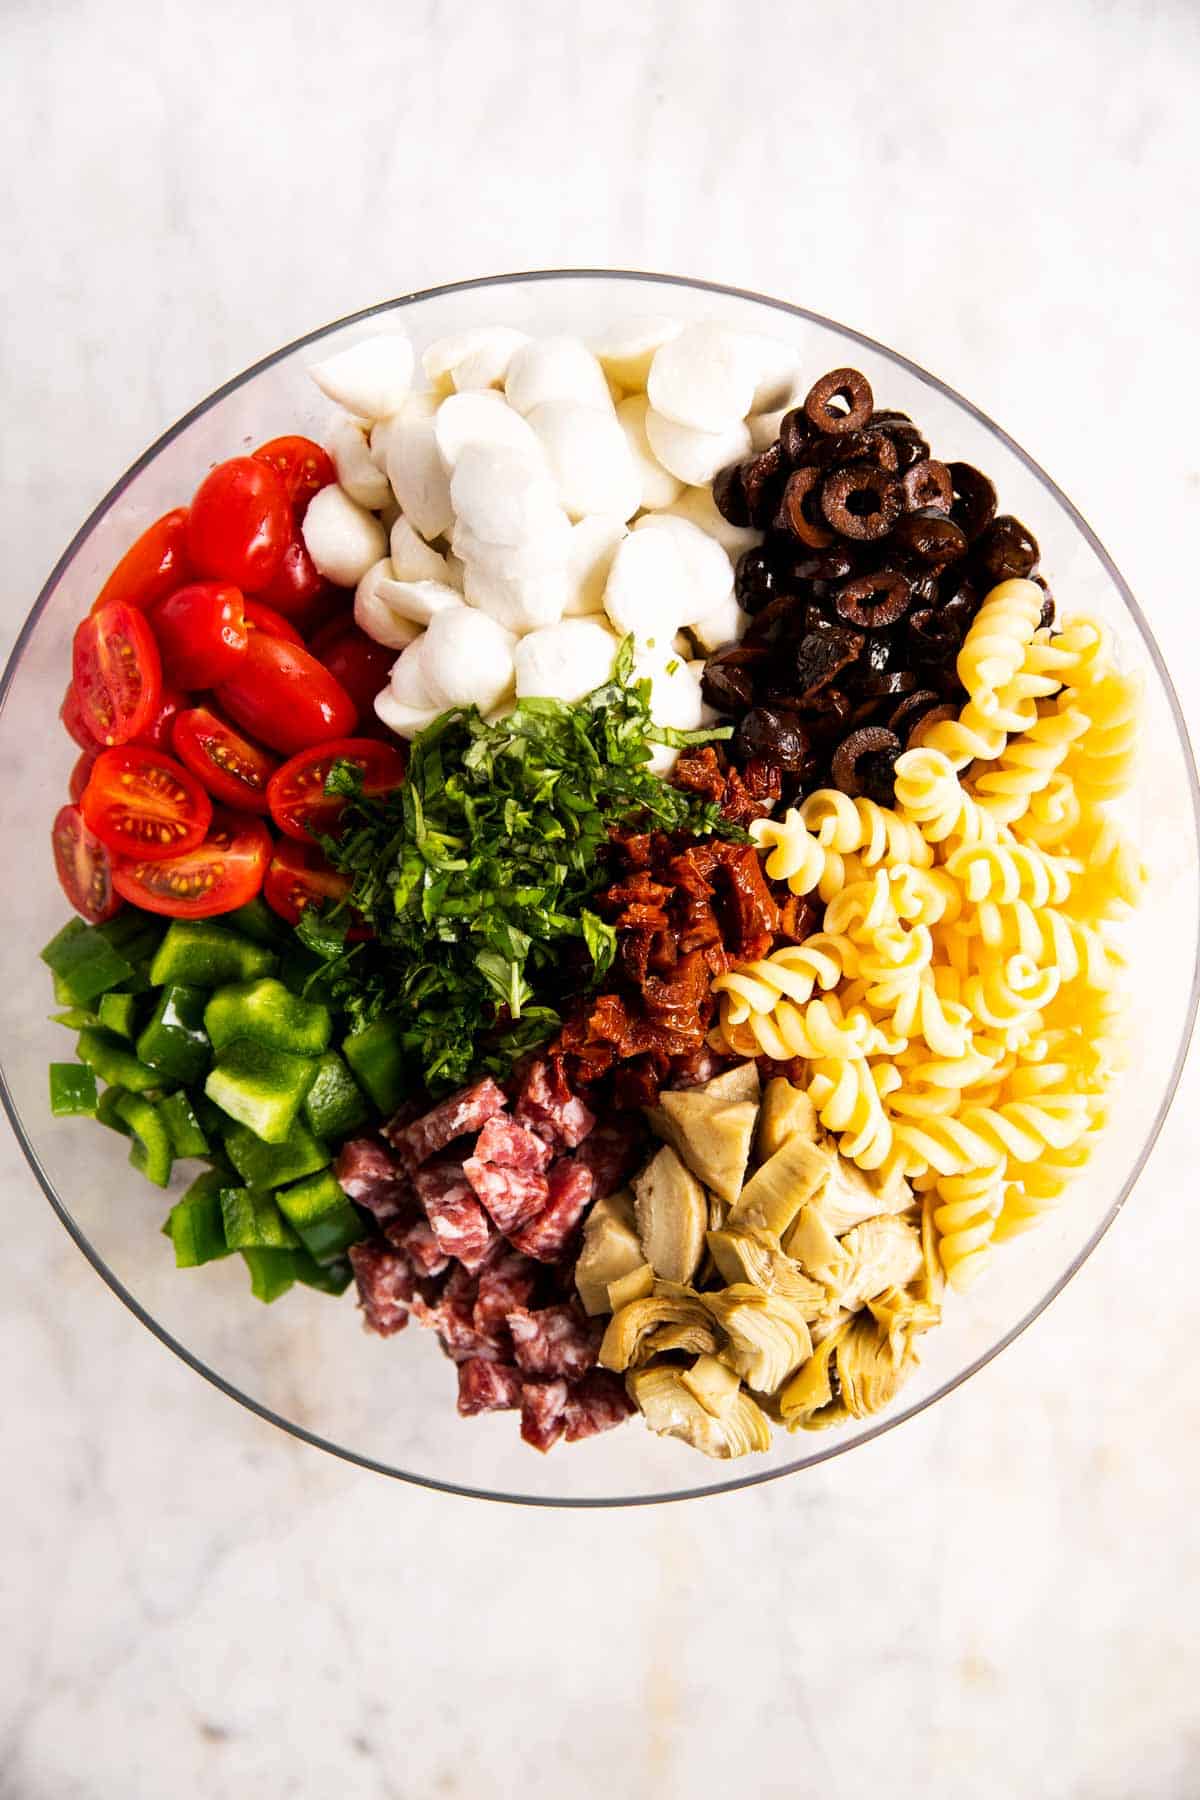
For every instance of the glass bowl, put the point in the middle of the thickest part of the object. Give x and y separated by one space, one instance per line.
304 1363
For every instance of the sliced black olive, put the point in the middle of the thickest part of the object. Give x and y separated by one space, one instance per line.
928 484
974 503
874 601
861 502
841 401
776 736
729 496
820 657
754 581
762 478
864 763
1006 551
931 536
796 510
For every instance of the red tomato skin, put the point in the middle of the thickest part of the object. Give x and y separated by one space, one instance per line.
235 771
299 875
296 589
266 619
239 524
153 567
302 466
221 874
81 774
74 723
116 673
143 804
296 795
84 867
282 696
158 733
357 661
201 633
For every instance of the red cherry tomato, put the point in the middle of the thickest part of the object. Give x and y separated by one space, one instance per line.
201 632
117 673
141 803
84 867
81 774
218 876
300 876
239 523
265 618
297 798
152 567
296 589
282 696
302 466
357 661
71 714
158 732
234 770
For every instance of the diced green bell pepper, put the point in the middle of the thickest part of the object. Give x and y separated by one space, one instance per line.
325 1221
196 1225
184 1128
152 1154
330 1278
304 974
265 1011
207 955
107 1113
72 1090
75 1018
174 1041
262 1088
84 964
135 934
254 1222
263 1165
272 1272
114 1061
117 1012
256 921
376 1055
335 1106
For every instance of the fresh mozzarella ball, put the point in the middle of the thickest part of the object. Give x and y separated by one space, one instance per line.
589 458
708 714
555 368
373 611
473 359
342 538
723 625
626 351
675 701
564 662
415 469
593 544
518 602
484 418
648 590
500 495
405 721
709 567
370 379
455 573
357 471
659 486
545 549
412 558
764 429
778 372
378 440
467 659
697 505
695 456
407 684
704 378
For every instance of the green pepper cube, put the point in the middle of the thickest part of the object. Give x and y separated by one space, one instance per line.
272 1272
174 1041
335 1106
107 1113
117 1012
257 922
325 1221
75 1018
72 1090
261 1088
196 1224
263 1165
254 1222
265 1011
114 1061
376 1055
84 964
187 1135
328 1278
152 1153
135 934
304 974
206 955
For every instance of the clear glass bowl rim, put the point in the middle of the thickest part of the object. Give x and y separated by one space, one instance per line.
891 1420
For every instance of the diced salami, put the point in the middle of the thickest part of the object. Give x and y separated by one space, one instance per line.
461 1115
508 1144
452 1319
611 1152
418 1243
546 1237
543 1412
504 1285
455 1216
554 1341
595 1404
510 1195
546 1105
385 1287
487 1387
367 1172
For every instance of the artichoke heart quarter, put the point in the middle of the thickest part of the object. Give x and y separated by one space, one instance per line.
739 1083
767 1335
812 1398
712 1136
672 1216
749 1253
624 1344
778 1189
670 1407
787 1112
611 1249
870 1376
884 1252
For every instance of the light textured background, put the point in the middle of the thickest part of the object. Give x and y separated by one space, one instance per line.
997 1600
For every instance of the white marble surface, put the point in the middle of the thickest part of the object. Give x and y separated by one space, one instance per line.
998 1599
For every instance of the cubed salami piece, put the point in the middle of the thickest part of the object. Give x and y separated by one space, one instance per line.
510 1195
418 1243
453 1321
463 1114
546 1105
485 1386
595 1404
385 1287
505 1142
455 1216
611 1152
543 1412
546 1237
554 1341
505 1284
367 1172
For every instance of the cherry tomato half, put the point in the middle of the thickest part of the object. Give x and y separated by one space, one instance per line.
84 867
158 732
234 770
218 876
357 661
300 876
142 803
152 567
81 775
74 723
201 633
297 798
239 523
282 696
117 673
302 466
299 591
265 618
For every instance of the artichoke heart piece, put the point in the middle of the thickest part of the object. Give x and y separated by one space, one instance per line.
617 1206
611 1249
713 1136
787 1112
624 1344
669 1407
638 1284
767 1334
672 1215
850 1196
869 1375
778 1189
901 1314
693 1340
884 1252
749 1253
930 1285
714 1384
811 1243
739 1083
812 1399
